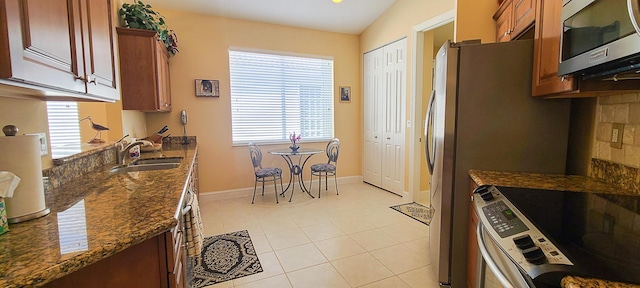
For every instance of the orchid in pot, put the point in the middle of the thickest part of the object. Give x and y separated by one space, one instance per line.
294 139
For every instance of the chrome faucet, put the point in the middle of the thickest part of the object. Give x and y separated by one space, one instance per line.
123 150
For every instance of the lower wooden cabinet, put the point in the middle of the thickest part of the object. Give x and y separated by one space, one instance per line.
155 262
472 245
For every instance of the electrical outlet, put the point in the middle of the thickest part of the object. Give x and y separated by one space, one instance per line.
616 135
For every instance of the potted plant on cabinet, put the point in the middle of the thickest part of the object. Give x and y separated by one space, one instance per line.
141 16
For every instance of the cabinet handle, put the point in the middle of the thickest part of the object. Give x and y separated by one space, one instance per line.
87 80
375 137
388 138
563 78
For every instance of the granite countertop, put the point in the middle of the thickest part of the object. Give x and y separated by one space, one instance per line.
561 182
92 218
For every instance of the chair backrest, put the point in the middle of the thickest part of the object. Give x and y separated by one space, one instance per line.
256 156
333 149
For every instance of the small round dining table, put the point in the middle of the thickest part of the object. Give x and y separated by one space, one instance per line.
296 169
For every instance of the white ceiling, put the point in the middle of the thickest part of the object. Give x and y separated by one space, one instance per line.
349 16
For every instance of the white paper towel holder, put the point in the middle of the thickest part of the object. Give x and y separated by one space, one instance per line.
11 131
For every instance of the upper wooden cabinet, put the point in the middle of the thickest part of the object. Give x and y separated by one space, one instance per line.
60 46
514 17
546 52
144 71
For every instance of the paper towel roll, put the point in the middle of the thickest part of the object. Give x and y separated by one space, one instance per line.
21 156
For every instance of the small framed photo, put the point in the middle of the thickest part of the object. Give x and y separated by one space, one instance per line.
345 93
207 88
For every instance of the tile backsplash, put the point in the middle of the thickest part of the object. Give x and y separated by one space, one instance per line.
618 166
624 109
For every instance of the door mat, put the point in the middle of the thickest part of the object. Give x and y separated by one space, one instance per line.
224 257
416 211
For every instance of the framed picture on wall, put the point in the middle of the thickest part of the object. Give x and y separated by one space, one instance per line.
207 88
345 93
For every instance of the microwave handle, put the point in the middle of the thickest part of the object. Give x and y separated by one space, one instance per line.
487 258
633 8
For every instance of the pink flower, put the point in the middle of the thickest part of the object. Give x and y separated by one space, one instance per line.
294 138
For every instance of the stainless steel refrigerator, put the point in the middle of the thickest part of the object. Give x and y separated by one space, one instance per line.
481 115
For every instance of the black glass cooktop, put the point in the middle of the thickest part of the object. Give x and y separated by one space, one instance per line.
600 233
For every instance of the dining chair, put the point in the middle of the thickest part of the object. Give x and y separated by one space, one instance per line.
327 169
263 174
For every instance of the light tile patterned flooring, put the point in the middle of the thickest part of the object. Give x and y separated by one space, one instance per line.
349 240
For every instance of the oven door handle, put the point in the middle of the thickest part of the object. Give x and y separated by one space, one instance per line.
487 258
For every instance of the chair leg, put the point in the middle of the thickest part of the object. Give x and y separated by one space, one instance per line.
319 184
255 184
275 188
263 186
281 187
326 180
311 183
335 179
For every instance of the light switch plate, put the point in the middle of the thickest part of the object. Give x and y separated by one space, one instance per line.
616 135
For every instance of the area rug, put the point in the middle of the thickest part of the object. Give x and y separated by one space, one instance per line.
416 211
224 257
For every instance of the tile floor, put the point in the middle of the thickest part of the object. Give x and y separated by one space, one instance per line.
349 240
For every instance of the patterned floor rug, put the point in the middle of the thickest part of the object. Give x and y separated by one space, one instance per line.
416 211
224 257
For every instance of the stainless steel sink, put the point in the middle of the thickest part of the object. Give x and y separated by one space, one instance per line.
161 160
144 167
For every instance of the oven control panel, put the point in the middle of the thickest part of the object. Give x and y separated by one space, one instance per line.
514 233
503 220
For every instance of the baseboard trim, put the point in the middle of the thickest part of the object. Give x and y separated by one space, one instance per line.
248 191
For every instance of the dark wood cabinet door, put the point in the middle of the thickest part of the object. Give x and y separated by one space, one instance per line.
472 244
144 71
164 84
524 15
43 44
99 49
547 52
504 22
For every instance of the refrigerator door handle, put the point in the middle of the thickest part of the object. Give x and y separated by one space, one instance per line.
428 120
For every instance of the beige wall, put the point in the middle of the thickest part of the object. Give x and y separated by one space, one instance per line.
474 20
29 115
204 42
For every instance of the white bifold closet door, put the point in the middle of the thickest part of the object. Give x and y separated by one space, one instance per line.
384 116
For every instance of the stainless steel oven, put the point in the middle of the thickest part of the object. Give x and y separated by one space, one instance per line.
599 37
533 237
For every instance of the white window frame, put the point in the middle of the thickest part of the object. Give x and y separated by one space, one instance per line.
274 94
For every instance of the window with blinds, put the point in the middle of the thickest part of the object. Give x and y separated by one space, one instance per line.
64 128
275 95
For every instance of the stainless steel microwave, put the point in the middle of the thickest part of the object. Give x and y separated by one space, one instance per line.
599 37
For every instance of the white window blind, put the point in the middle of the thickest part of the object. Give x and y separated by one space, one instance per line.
64 128
274 95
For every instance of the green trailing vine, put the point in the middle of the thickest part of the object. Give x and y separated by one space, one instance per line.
141 16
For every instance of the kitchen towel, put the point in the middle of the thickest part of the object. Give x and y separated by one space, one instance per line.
21 156
193 226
